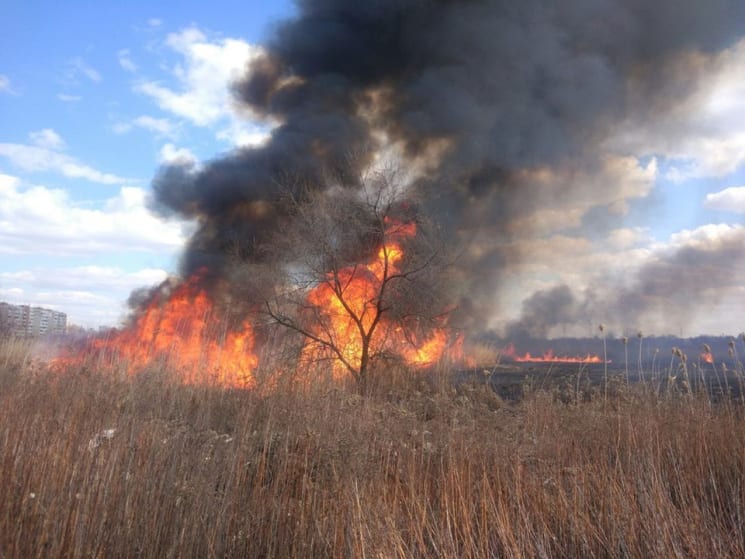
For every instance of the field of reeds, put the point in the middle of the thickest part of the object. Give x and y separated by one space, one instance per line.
98 464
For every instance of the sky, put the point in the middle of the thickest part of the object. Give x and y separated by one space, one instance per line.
94 97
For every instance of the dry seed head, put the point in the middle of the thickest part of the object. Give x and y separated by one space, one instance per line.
731 343
707 348
639 334
731 352
601 327
625 340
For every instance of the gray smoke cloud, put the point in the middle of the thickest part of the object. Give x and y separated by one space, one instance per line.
691 278
542 311
675 285
481 89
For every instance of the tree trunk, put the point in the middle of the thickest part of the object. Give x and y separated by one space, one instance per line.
364 366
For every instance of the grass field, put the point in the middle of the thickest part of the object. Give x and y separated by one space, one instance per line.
97 464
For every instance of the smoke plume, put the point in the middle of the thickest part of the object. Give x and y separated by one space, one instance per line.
473 93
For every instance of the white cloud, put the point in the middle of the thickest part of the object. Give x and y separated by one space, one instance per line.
36 158
47 139
243 134
730 199
125 61
204 77
5 86
68 98
161 126
171 155
77 66
41 220
700 156
122 127
700 134
708 237
91 295
85 277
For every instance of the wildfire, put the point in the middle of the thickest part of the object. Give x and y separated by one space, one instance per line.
343 315
549 357
182 331
427 352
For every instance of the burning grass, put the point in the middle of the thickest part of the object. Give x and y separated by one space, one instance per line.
181 329
348 318
115 466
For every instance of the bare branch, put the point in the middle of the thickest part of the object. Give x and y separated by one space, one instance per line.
363 250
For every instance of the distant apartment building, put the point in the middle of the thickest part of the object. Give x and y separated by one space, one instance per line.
28 321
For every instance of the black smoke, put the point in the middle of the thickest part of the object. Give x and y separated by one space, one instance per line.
476 89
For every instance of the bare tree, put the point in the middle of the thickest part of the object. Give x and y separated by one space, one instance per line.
364 275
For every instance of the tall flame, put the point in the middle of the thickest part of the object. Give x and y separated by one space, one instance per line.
346 306
184 332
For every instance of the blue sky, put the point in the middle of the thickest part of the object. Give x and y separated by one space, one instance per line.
94 96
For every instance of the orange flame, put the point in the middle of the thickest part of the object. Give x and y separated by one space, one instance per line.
346 305
550 357
185 334
428 352
706 357
183 330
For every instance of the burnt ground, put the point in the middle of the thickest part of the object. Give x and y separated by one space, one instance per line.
512 380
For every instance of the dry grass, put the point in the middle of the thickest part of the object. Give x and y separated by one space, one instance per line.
407 472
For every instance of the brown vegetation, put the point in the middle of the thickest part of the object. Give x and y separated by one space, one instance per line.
96 465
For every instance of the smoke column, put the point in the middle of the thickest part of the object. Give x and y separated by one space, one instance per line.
473 92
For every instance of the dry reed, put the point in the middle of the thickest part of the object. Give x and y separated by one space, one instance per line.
100 465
